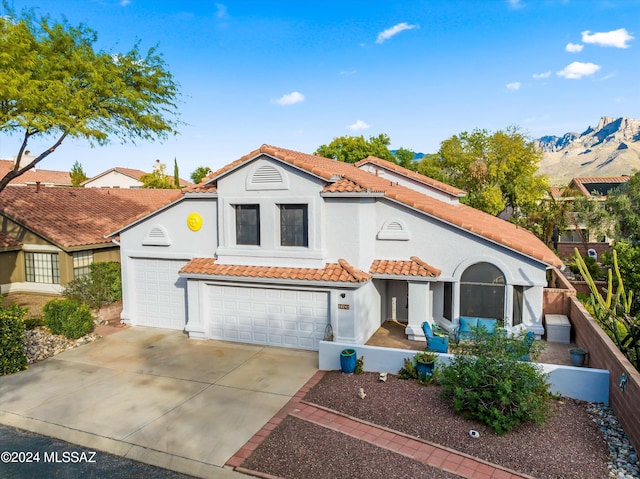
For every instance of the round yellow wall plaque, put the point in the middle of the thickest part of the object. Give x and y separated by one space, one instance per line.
194 221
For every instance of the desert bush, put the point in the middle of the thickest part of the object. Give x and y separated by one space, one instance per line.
103 285
12 357
68 317
488 383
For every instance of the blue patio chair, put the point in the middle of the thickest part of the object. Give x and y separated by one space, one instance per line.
438 344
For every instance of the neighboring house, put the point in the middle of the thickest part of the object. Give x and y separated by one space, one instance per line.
35 176
274 247
122 178
49 236
576 235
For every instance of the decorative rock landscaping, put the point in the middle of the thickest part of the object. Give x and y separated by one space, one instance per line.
623 460
40 344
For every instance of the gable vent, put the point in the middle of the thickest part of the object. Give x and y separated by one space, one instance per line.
267 177
394 229
157 236
266 174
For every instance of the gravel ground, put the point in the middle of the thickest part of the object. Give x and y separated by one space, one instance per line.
570 445
40 344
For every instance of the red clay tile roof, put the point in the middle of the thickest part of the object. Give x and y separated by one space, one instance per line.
341 272
7 241
465 217
452 190
72 217
45 177
414 267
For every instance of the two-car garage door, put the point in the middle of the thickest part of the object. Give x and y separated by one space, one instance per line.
274 317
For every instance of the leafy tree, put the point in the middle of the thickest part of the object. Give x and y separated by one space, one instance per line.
176 174
623 205
352 149
405 158
199 173
77 174
54 84
158 179
497 170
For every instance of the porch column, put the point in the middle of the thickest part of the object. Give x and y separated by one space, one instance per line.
420 309
195 326
532 310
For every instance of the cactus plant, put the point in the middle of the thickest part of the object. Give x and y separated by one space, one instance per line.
612 311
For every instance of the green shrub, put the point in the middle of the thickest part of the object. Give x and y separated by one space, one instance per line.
68 317
103 285
486 382
33 323
12 357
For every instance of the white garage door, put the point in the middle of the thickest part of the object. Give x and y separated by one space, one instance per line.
160 294
274 317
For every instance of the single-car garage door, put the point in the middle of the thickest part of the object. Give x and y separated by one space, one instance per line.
274 317
160 294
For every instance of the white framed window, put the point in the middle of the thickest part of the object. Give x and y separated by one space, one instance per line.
81 262
42 268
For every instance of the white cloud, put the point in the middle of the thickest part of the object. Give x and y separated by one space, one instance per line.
516 4
615 38
540 76
578 70
513 86
124 3
574 47
358 125
221 11
289 99
390 32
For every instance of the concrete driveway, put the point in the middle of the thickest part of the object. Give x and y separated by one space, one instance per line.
155 396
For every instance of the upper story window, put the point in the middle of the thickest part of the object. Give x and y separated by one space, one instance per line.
42 268
81 262
294 225
248 224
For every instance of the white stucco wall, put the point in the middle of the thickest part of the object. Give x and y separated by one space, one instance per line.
113 179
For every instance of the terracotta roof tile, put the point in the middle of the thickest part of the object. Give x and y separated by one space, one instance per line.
352 178
45 177
412 174
71 217
341 272
414 267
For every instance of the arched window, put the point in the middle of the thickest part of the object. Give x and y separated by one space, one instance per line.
482 291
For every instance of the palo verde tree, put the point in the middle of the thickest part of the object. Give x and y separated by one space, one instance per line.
77 174
55 84
497 170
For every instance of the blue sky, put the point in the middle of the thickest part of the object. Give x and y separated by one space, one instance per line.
296 74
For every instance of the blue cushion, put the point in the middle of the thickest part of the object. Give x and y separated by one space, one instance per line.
466 323
489 324
426 327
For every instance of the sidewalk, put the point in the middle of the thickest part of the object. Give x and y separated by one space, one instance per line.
428 453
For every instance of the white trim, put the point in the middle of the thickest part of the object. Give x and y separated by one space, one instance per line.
28 287
41 248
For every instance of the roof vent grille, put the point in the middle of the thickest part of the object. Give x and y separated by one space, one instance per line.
157 236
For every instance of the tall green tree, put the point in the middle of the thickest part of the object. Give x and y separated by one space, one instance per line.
55 84
199 173
623 205
176 174
352 149
497 170
77 174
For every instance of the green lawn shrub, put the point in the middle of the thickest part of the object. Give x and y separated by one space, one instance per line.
12 356
486 382
102 286
68 317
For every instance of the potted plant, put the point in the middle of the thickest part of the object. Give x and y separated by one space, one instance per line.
425 362
577 356
348 360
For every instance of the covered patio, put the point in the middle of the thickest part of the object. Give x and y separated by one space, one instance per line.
391 334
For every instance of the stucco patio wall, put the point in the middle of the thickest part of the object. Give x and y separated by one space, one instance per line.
587 384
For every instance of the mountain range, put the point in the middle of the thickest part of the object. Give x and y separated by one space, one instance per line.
612 148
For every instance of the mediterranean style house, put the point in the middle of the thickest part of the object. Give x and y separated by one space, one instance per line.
278 245
50 235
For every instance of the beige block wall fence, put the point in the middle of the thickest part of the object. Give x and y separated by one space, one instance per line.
603 353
